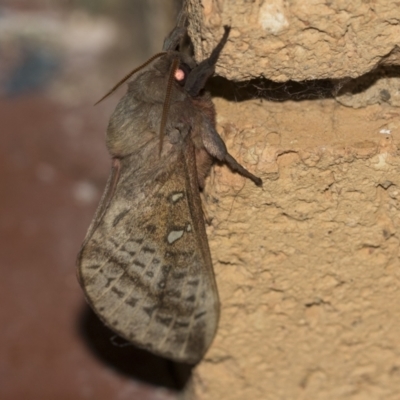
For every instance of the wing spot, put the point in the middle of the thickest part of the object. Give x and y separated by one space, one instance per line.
164 320
119 217
130 247
96 266
138 263
147 249
131 302
108 283
191 298
151 228
114 260
194 283
101 251
173 236
176 196
113 241
165 269
125 250
180 324
149 310
131 280
200 314
178 275
119 293
150 274
162 284
174 294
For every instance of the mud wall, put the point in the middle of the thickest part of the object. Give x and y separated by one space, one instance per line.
307 267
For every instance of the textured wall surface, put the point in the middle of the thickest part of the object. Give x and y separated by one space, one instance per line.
299 39
308 266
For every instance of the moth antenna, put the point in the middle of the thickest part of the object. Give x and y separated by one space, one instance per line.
167 101
151 59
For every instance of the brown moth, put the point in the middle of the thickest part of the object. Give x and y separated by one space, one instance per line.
145 264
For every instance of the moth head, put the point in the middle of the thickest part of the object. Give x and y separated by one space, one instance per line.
187 73
190 75
184 70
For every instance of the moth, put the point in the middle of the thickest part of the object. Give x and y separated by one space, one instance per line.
145 264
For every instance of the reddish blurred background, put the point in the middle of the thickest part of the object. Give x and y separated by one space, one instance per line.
57 58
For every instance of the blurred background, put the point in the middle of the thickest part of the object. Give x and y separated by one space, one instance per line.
57 58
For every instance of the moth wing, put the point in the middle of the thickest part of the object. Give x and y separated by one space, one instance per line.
145 265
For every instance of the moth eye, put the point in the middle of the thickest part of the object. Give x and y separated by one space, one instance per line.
181 74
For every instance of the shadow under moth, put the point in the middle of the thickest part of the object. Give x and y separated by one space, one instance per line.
145 264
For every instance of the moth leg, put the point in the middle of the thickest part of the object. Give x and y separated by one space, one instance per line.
216 148
235 166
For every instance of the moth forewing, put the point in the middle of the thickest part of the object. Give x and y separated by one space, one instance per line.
145 265
146 269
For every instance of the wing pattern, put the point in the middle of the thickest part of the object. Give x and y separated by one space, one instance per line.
146 267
